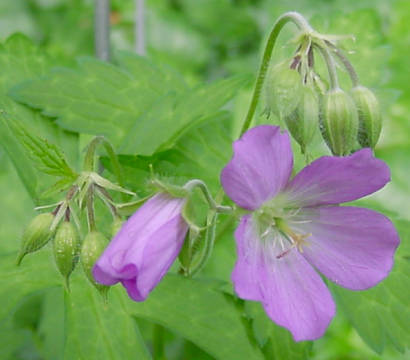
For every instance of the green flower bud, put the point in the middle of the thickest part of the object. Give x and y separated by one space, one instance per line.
283 89
66 248
370 119
339 122
36 235
303 121
93 246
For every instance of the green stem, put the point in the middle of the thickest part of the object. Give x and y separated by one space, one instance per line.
346 63
331 66
209 244
196 183
302 24
90 209
89 159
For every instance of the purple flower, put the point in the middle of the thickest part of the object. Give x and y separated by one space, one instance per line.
296 226
145 247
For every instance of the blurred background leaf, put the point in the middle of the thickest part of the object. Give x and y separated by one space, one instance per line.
190 43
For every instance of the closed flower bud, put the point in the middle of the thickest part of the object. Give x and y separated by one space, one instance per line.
370 120
303 121
93 246
36 235
339 122
283 89
66 248
144 249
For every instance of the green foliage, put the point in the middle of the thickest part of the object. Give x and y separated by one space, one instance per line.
184 129
46 157
103 99
202 314
100 331
20 60
381 315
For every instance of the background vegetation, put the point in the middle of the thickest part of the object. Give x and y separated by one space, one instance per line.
189 97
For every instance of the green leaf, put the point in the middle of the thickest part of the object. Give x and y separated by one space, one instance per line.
19 60
200 153
97 98
37 273
173 115
201 314
47 157
276 341
381 315
96 330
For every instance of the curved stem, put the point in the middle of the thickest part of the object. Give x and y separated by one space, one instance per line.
209 243
190 185
302 24
90 157
331 66
346 63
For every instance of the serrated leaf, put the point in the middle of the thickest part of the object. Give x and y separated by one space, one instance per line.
96 98
58 187
201 314
19 60
381 315
47 157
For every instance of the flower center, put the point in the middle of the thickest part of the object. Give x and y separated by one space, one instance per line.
298 240
274 225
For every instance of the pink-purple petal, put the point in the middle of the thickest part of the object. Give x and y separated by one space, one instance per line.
353 247
260 167
334 180
145 247
164 247
296 297
245 275
292 293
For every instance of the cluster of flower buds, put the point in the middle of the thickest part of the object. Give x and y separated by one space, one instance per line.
301 97
142 249
62 227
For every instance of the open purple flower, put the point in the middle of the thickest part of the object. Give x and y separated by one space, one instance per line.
297 227
145 247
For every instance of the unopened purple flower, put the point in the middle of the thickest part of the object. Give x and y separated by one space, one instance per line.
145 247
296 226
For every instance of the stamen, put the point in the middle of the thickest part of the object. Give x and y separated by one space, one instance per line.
298 240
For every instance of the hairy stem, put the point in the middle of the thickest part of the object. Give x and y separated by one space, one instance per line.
89 159
302 24
209 243
346 63
331 66
90 209
190 185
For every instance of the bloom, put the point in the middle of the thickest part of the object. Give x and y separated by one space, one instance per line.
296 226
145 247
